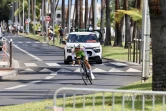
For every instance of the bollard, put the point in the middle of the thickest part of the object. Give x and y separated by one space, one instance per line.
10 52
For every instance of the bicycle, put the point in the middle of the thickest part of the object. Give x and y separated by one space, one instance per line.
85 75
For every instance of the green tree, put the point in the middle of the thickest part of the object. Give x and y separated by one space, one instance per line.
158 32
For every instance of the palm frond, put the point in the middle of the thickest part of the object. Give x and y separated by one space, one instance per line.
135 14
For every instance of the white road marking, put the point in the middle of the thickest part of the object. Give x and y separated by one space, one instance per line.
28 42
45 70
37 42
115 70
77 70
118 64
30 64
19 42
49 77
53 64
133 70
53 74
98 70
35 57
33 82
28 69
15 87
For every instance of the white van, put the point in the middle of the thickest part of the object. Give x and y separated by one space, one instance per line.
89 40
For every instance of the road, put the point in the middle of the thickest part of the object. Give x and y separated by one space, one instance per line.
42 72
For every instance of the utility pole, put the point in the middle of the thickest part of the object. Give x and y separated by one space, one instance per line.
34 18
95 14
145 41
28 14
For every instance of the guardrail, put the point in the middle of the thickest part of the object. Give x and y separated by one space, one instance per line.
111 99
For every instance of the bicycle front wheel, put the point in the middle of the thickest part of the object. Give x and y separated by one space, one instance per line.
84 74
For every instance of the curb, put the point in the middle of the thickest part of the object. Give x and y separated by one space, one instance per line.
9 74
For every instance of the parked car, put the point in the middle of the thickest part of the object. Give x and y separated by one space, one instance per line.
89 40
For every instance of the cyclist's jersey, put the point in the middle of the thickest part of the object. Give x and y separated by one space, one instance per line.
80 53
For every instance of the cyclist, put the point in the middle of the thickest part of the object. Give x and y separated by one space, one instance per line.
80 52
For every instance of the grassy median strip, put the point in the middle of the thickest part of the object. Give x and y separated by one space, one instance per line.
39 106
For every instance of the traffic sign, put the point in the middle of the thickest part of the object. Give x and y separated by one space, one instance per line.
26 22
47 18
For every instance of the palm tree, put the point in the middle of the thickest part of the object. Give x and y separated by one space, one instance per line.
118 34
158 26
81 14
127 26
77 13
102 17
108 31
86 13
63 14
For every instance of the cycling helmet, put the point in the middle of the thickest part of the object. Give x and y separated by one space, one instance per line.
78 46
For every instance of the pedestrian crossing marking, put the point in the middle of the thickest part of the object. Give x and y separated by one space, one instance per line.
77 70
37 42
133 70
30 64
19 42
118 64
53 64
28 69
115 70
28 42
98 70
46 70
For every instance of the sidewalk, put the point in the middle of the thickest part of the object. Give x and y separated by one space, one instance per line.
5 70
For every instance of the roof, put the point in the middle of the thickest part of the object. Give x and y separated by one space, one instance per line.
82 33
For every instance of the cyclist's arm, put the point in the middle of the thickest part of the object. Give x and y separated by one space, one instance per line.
86 55
73 55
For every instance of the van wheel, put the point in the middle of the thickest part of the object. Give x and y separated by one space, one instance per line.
66 62
99 61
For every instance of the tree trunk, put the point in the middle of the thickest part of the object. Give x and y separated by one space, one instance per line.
86 13
76 15
52 10
127 26
102 18
117 27
108 26
81 15
32 9
158 32
63 14
92 13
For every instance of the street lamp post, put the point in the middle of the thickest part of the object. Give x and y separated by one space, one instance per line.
28 14
34 18
23 16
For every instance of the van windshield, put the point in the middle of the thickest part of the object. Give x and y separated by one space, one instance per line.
74 38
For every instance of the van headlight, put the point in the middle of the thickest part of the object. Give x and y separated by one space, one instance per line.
96 49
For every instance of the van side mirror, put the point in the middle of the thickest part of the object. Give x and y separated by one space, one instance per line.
64 42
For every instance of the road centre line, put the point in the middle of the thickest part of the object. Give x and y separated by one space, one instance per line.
15 87
35 57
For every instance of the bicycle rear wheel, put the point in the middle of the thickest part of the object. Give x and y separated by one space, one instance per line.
84 74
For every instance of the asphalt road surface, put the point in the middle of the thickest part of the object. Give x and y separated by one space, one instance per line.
41 72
